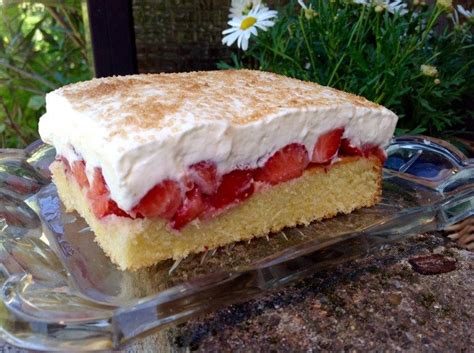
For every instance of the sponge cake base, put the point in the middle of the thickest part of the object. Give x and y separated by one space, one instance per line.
321 192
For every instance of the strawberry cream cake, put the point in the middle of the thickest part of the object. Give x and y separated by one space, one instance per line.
161 166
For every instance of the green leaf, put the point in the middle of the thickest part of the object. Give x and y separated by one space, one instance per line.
36 102
416 131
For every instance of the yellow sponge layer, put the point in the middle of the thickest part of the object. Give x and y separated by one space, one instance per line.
349 184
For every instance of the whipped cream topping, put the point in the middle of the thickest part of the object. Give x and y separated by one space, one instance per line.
144 129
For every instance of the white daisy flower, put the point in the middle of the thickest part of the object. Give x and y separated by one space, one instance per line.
396 6
242 7
244 26
466 13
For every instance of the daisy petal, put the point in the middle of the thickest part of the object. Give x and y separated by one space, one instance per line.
239 40
235 22
267 15
263 28
245 43
230 30
266 23
302 4
255 9
230 39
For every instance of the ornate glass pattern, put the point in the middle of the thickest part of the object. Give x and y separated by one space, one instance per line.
60 292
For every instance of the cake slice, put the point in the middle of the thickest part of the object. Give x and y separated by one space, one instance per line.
161 166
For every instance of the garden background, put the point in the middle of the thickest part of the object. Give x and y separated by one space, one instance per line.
419 64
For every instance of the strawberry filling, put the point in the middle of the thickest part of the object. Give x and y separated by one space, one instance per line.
203 192
163 200
191 208
79 172
235 187
286 164
327 146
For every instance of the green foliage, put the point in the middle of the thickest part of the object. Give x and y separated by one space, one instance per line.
375 54
42 47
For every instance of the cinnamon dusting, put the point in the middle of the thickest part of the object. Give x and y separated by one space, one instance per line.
153 101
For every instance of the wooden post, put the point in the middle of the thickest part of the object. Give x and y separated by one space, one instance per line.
112 37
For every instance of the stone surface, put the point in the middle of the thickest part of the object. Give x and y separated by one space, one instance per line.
377 303
432 264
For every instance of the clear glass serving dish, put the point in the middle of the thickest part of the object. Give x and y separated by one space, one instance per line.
60 292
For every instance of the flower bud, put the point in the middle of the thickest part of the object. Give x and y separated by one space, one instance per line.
310 14
429 70
446 5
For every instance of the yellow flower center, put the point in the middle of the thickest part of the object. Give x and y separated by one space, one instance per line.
247 22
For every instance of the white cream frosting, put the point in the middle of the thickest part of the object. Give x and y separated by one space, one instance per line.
132 163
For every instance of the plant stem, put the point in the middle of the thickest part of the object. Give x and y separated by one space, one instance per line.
308 47
283 55
418 44
354 30
11 122
377 38
75 37
30 75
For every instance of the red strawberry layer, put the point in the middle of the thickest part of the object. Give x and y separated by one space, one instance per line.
203 192
285 164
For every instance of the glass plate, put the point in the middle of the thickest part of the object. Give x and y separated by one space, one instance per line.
60 292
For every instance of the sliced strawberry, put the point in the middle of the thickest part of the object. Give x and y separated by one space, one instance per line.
235 186
204 175
99 198
326 146
287 163
348 149
103 206
98 185
192 206
79 172
371 150
163 200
